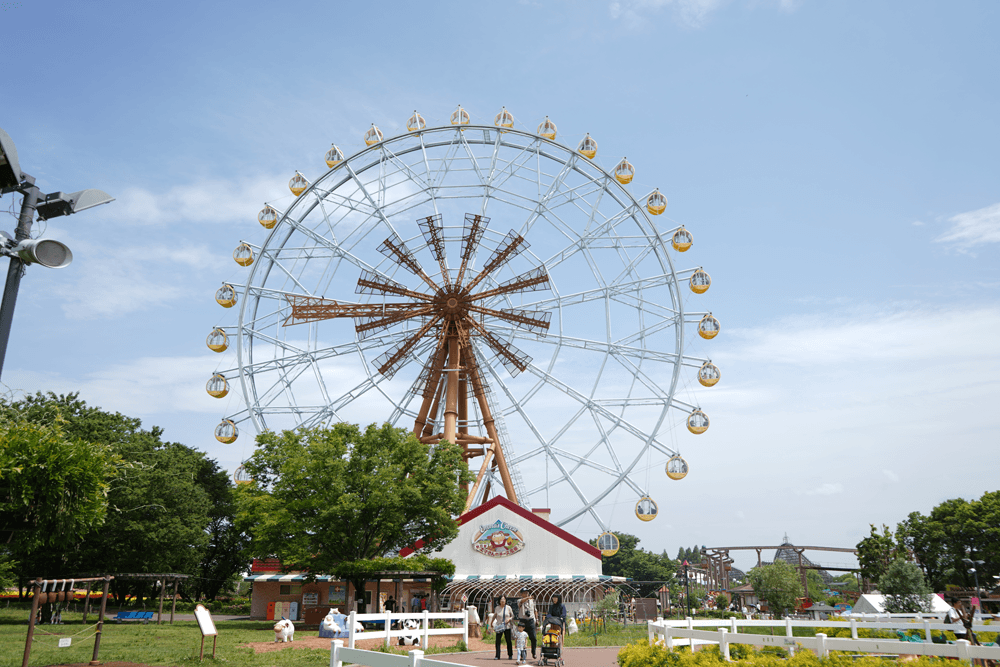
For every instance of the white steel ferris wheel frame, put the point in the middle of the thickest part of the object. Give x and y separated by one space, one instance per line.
380 191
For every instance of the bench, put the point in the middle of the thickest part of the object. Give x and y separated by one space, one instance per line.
144 616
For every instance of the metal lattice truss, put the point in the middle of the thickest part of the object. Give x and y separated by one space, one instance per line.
420 301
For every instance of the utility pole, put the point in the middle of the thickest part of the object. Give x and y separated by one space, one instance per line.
687 588
22 249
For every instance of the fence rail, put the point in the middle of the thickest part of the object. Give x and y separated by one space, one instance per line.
340 654
425 630
668 633
873 623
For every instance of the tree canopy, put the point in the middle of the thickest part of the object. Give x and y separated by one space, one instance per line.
638 564
778 584
157 505
904 588
325 498
954 530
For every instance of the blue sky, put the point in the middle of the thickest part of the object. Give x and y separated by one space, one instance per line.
835 161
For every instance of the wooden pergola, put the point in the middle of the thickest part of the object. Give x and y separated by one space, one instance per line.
164 579
719 562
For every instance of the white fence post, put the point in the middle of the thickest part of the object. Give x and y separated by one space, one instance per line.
388 625
465 627
350 624
668 640
690 623
927 630
788 633
821 645
724 643
732 625
963 649
427 626
335 653
416 655
649 631
854 628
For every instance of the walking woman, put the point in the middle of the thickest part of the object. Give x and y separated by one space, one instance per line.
503 616
526 612
558 609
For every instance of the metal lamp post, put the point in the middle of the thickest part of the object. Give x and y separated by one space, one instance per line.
972 564
21 248
687 588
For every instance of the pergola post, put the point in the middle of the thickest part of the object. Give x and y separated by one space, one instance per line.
173 602
163 589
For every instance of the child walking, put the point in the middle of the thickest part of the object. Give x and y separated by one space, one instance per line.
521 644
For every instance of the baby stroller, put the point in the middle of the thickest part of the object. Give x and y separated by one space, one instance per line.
552 641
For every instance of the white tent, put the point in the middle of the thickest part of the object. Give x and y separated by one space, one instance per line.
874 603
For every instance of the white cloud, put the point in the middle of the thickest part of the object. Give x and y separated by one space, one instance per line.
973 228
119 281
828 489
210 201
635 13
890 475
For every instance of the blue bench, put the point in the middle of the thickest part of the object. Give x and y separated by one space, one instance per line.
144 616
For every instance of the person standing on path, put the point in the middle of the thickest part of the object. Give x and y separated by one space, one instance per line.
526 612
521 644
503 616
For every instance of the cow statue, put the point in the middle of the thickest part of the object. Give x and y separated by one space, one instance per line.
411 625
284 631
329 626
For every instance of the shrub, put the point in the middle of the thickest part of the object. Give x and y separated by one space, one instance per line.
643 655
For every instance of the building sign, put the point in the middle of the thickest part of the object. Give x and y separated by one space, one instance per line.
265 565
498 539
337 594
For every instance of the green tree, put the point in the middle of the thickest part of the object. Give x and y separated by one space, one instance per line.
778 584
876 552
52 487
815 586
904 588
638 564
954 530
325 498
159 505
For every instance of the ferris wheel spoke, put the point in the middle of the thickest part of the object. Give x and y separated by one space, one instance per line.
527 420
472 159
597 406
600 293
590 236
549 194
647 331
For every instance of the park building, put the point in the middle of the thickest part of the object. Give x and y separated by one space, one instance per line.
500 549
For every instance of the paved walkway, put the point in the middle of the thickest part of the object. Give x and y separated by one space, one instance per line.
600 656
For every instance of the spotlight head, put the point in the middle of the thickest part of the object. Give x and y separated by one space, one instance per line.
10 168
60 203
48 252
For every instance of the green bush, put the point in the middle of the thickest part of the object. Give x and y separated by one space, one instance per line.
643 655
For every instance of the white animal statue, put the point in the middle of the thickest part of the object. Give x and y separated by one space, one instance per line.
413 638
329 624
358 627
571 626
284 631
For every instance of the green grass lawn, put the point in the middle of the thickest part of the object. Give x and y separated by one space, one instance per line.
176 644
151 644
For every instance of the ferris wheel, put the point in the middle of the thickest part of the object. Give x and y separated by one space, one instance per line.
479 284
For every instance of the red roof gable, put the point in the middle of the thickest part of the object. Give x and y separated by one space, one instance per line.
527 516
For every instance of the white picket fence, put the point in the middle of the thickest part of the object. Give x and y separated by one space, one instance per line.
670 631
340 654
426 630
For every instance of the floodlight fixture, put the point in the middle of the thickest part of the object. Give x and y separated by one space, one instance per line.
21 248
60 203
10 168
